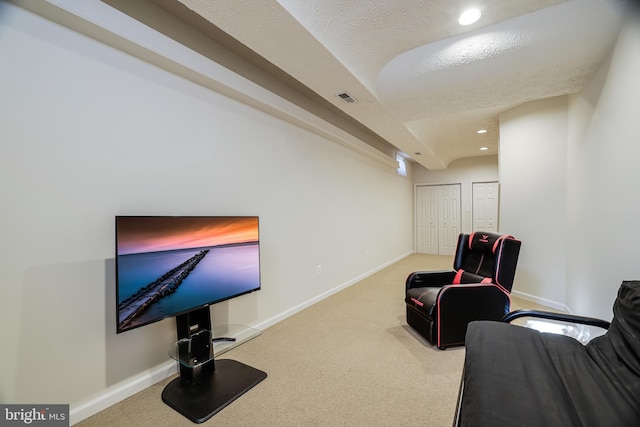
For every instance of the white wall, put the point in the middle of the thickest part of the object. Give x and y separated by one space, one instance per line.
569 175
604 203
533 145
464 172
89 132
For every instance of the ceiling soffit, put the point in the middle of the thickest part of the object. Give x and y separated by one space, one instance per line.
424 83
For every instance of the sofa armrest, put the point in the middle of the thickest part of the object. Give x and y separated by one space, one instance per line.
429 279
562 317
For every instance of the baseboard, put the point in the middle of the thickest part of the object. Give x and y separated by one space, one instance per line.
136 384
293 310
121 391
542 301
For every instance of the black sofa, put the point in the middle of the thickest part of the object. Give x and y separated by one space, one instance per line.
518 376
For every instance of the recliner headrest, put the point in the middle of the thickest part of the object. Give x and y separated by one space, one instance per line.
486 241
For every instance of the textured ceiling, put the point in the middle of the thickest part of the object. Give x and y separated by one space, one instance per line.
423 82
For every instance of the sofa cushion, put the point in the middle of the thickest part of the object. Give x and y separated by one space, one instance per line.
519 376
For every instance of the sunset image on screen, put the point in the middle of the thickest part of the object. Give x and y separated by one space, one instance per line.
153 234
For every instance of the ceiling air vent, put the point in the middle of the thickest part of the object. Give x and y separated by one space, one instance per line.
346 97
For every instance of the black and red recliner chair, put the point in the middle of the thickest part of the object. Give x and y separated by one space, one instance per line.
440 304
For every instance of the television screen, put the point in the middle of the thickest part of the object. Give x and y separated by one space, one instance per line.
170 265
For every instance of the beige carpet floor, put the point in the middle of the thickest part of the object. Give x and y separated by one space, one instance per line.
349 360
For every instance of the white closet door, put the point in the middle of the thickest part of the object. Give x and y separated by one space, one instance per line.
437 218
448 219
427 219
485 206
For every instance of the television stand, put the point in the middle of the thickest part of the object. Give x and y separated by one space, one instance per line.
205 385
200 400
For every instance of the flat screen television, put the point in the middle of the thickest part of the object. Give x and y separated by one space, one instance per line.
177 266
171 265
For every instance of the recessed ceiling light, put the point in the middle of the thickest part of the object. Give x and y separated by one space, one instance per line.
484 148
469 16
482 131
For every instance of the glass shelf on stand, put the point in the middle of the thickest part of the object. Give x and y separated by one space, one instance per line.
204 346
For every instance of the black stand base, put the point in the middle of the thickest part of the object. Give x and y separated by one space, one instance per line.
201 400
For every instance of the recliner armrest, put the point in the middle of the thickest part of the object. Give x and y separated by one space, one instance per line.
478 298
429 279
458 305
562 317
